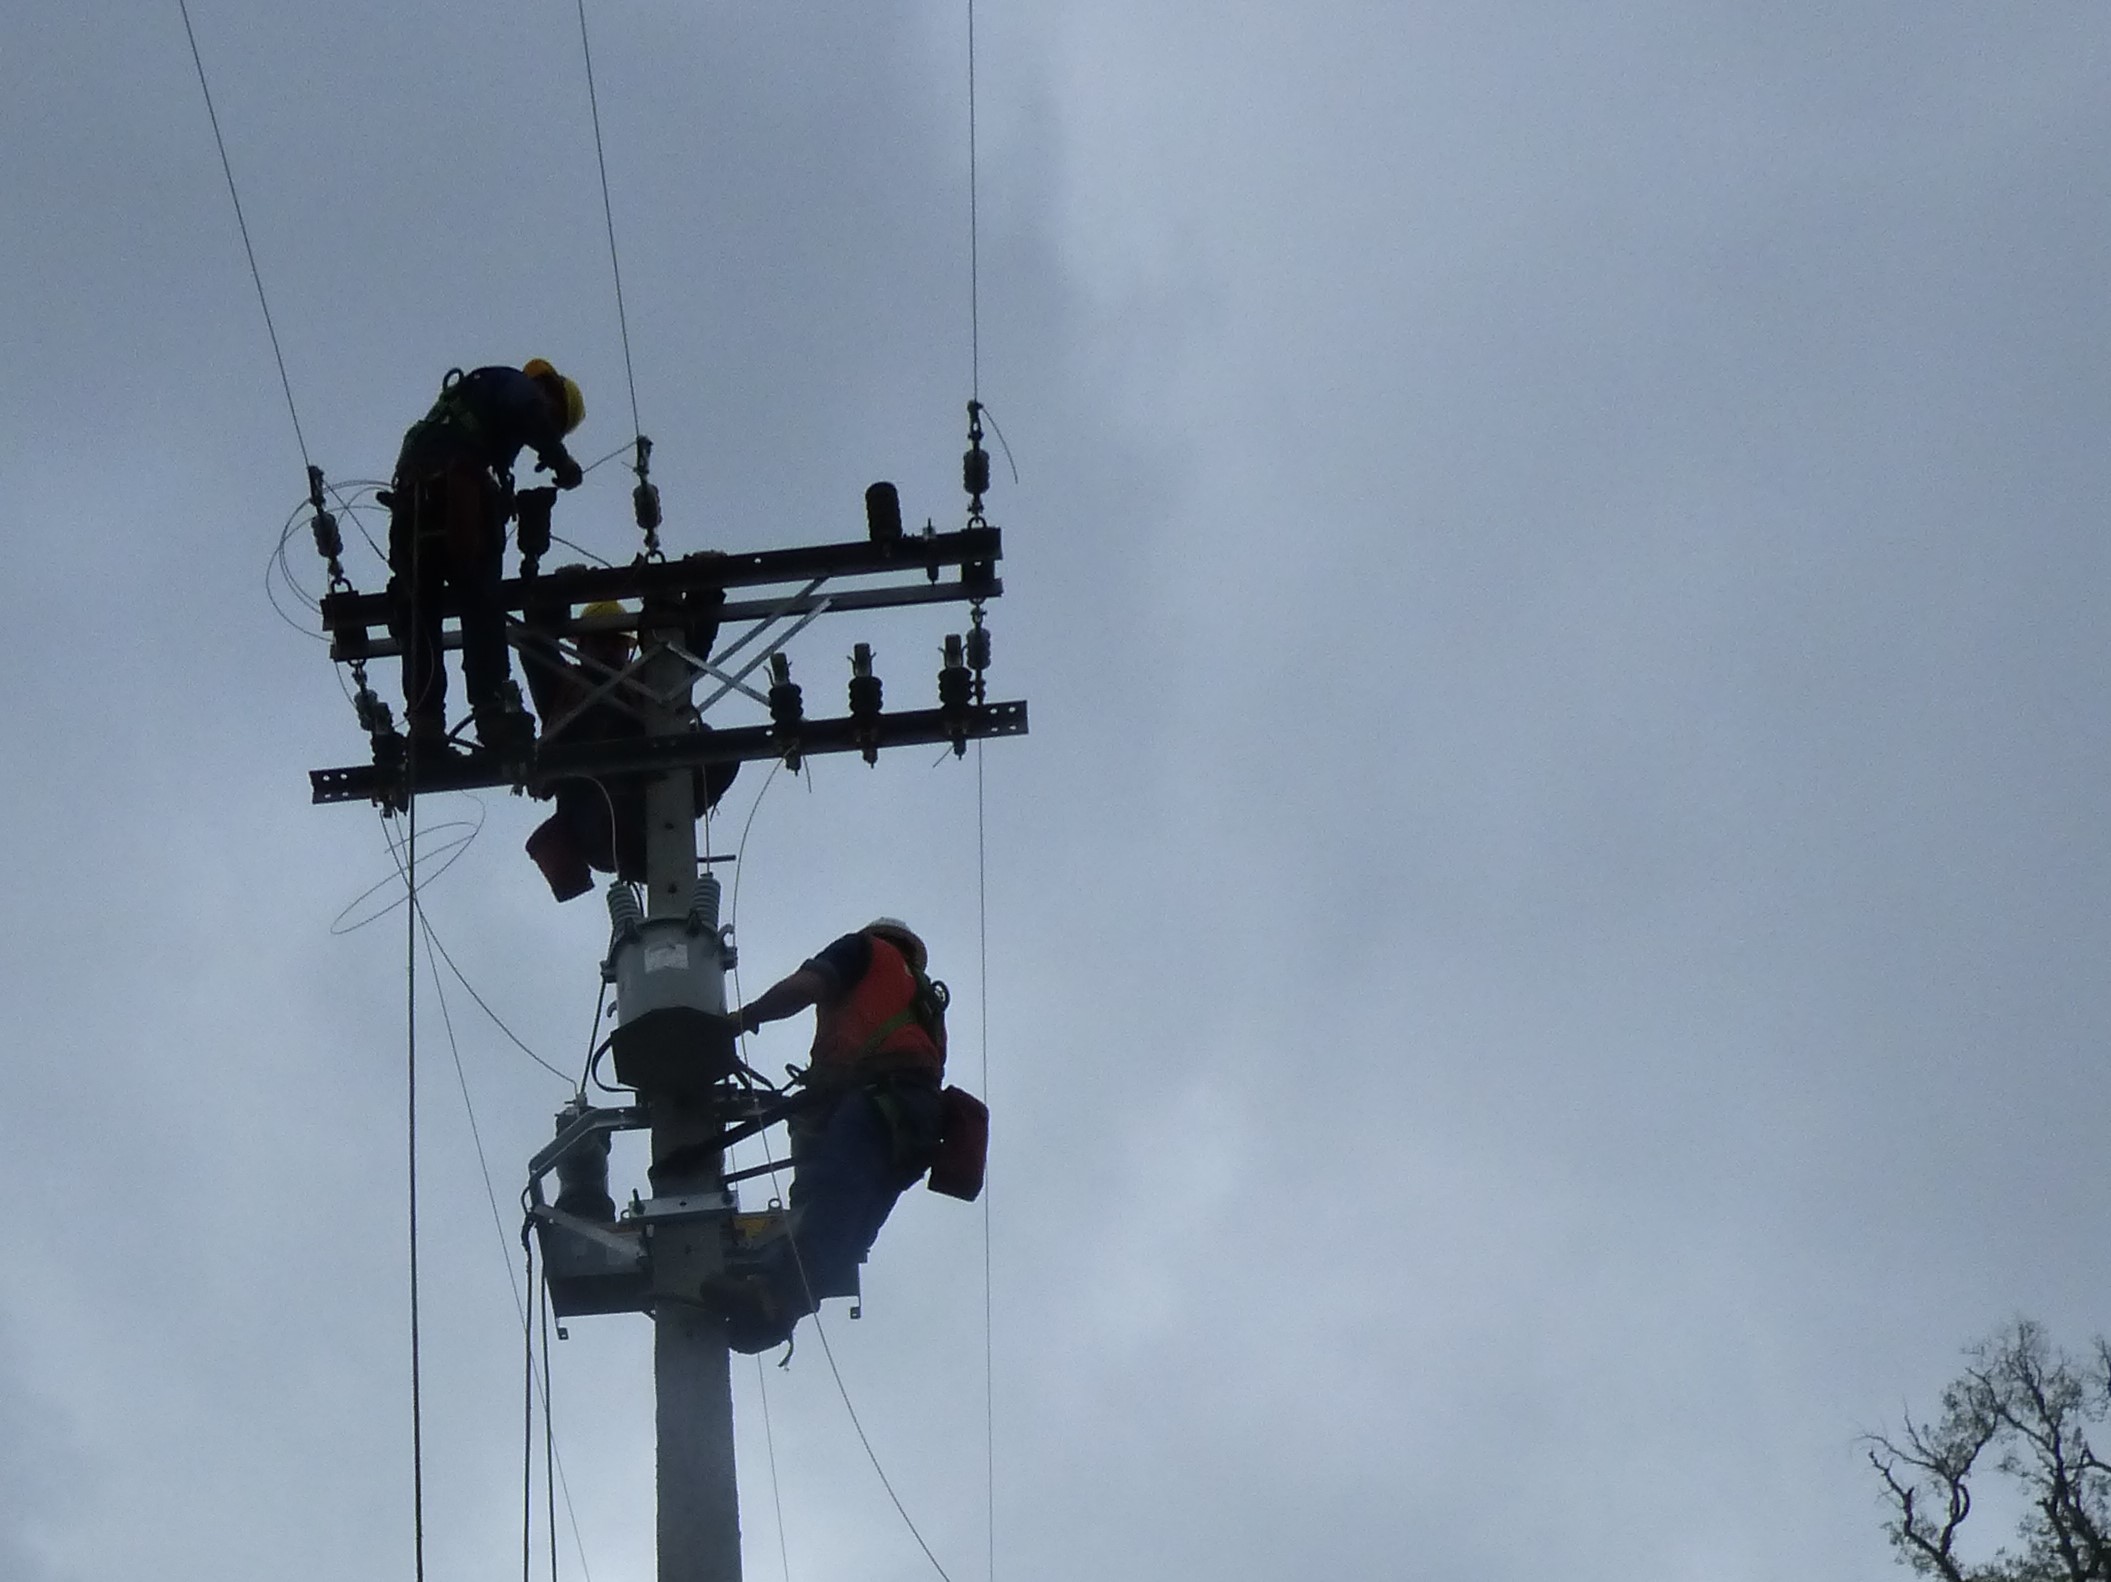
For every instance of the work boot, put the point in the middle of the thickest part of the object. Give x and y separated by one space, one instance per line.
429 742
504 727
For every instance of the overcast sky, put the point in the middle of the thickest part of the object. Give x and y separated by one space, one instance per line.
1546 947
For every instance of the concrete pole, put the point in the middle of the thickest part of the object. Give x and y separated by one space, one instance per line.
699 1493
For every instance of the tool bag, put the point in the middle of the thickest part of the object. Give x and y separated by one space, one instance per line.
963 1145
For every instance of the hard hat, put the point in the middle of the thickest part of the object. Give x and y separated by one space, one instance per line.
896 932
613 641
574 402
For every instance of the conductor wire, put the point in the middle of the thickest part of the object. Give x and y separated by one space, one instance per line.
608 214
974 232
255 274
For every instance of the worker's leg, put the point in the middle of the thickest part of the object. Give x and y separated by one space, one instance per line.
477 547
418 562
848 1182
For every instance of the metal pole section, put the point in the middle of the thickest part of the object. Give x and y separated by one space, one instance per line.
699 1495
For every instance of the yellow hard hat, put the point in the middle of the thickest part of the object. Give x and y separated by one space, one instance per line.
574 402
605 607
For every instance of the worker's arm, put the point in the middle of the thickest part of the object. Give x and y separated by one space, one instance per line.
520 404
788 996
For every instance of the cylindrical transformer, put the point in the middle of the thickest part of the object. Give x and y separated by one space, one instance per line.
671 1029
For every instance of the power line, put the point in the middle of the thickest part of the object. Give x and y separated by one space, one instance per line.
432 943
608 214
410 1024
989 1344
974 231
255 274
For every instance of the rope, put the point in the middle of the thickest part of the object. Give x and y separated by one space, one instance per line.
520 1306
871 1455
549 1440
527 1418
255 274
608 214
560 1075
769 1440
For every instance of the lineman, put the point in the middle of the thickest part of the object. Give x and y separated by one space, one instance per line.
872 1127
599 823
452 496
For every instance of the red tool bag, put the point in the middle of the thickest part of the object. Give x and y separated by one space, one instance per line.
963 1145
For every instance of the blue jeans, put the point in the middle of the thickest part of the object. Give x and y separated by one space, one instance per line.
854 1161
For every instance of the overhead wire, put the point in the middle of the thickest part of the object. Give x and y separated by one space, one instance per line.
521 1306
410 1022
416 924
769 1433
255 274
799 1264
982 916
608 213
989 1330
974 231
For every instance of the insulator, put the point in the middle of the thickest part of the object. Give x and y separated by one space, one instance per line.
703 904
978 648
329 542
865 700
975 471
374 716
625 916
645 506
786 706
883 513
955 685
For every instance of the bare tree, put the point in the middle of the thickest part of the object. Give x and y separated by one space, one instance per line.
2029 1408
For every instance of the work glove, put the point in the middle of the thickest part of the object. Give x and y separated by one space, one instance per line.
564 471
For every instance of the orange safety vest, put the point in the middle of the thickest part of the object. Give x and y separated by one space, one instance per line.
872 1030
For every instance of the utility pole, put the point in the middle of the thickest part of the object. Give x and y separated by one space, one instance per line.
673 1044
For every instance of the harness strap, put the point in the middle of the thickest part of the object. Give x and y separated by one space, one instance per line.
886 1030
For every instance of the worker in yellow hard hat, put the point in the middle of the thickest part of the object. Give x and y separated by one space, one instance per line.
599 822
452 496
